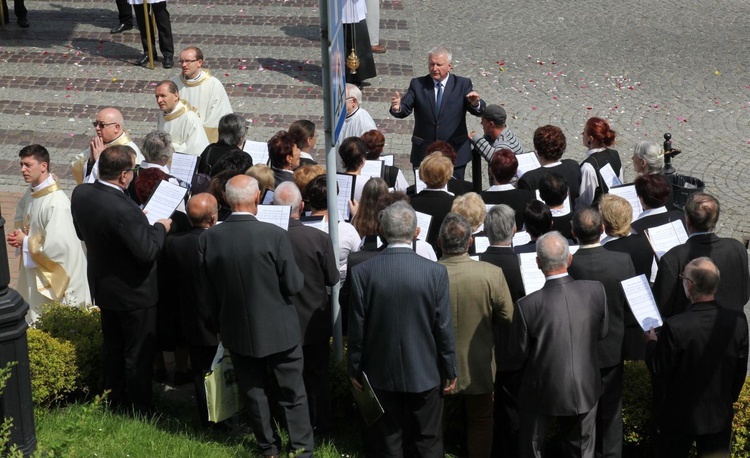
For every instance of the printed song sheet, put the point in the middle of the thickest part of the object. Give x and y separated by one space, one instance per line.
257 150
481 244
183 166
533 278
346 193
388 159
277 215
372 169
423 223
641 302
665 237
164 201
419 183
609 176
527 162
628 193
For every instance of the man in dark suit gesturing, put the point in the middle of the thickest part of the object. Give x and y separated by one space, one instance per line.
249 274
122 250
699 363
440 102
557 329
401 337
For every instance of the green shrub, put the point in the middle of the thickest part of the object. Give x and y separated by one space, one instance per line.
52 364
741 423
82 328
636 403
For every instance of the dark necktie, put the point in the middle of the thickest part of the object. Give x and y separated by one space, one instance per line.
439 99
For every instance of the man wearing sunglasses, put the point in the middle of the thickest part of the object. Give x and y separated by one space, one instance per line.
109 132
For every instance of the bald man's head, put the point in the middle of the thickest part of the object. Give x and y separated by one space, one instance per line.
109 124
202 210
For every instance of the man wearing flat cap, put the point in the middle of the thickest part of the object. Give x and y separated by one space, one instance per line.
496 134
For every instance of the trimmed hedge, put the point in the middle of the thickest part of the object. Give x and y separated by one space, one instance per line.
52 364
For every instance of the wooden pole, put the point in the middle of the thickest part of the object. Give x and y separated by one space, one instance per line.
147 24
2 16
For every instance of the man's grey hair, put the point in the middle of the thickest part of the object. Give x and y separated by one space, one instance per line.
287 193
399 222
552 251
232 129
441 51
455 233
236 195
353 91
499 224
157 147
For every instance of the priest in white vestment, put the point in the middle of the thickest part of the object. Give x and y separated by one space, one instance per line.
178 119
52 264
203 91
358 120
109 126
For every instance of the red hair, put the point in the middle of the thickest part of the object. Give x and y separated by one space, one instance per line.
503 165
599 129
444 147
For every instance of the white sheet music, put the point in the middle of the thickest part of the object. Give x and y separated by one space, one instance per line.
533 278
388 159
423 223
481 244
257 150
566 204
346 193
419 183
183 166
609 176
521 238
277 215
641 302
372 169
268 197
665 237
164 201
628 193
526 162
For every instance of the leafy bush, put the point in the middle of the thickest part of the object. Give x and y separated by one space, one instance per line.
52 366
741 423
636 403
82 328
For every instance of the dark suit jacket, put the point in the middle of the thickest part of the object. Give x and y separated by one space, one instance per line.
644 223
435 203
122 247
181 270
699 366
609 268
313 252
729 256
568 169
449 125
249 275
400 326
517 199
639 250
557 329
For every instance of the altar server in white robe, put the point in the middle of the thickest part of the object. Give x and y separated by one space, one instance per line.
203 91
52 265
110 131
178 119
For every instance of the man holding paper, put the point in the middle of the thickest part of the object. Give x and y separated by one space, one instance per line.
702 214
122 251
698 361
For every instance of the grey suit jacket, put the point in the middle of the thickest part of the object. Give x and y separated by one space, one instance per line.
400 326
249 274
557 330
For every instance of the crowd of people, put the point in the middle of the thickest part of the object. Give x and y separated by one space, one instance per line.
430 311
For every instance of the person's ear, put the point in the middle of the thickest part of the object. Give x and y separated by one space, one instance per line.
416 232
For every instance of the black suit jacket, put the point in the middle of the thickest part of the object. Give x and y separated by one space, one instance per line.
568 169
609 268
181 270
729 256
639 250
455 186
435 203
313 252
659 219
699 366
556 330
122 247
249 275
517 199
449 125
400 325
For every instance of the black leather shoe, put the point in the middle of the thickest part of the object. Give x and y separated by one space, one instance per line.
143 61
168 62
121 28
23 22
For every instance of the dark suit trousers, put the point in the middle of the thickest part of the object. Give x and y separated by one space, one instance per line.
201 357
125 12
166 46
129 341
677 445
317 358
578 432
252 379
505 439
410 426
18 7
609 414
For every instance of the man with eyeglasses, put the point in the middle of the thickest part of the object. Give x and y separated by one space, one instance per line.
203 91
53 265
109 132
698 362
178 119
122 248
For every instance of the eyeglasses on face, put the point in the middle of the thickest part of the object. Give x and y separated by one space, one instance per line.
101 125
186 61
686 278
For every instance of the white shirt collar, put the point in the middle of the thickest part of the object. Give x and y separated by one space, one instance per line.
594 150
444 80
651 211
192 80
398 245
114 186
151 165
552 277
49 181
501 187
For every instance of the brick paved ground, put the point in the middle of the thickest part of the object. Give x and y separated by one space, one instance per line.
648 67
